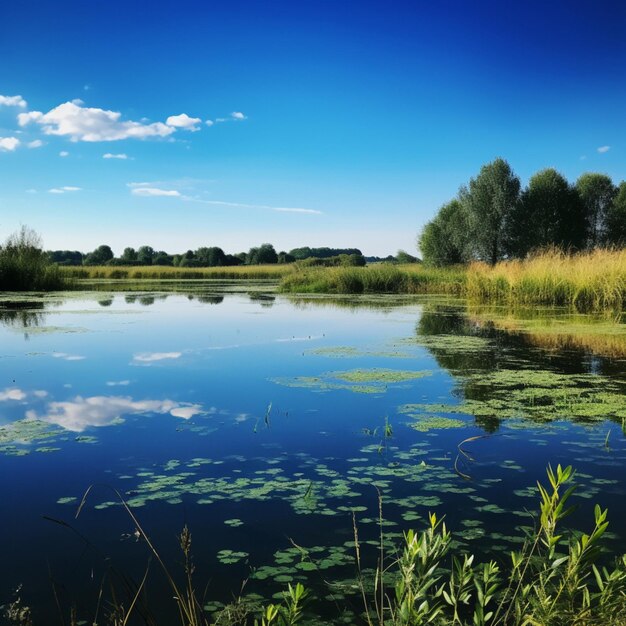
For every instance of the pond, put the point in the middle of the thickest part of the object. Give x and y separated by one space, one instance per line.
268 423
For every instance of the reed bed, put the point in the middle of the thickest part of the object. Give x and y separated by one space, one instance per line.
589 281
160 272
375 278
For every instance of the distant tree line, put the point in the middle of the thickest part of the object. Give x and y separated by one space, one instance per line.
493 218
212 257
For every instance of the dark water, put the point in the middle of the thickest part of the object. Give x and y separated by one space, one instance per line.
264 423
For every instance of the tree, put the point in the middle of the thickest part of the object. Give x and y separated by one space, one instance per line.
402 256
129 255
616 218
597 193
262 255
443 240
285 257
145 255
490 199
100 256
549 213
210 257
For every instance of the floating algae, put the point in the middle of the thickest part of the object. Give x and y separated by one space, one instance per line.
375 380
17 436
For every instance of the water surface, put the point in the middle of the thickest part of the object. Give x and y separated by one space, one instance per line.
265 423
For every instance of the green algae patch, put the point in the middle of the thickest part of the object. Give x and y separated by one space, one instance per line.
459 344
16 437
350 352
375 380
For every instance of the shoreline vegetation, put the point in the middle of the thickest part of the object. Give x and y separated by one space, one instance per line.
557 577
592 281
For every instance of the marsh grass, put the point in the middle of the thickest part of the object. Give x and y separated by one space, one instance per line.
376 278
159 272
590 281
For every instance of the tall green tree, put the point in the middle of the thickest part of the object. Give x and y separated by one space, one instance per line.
145 254
549 213
100 256
597 193
129 255
490 200
444 240
616 218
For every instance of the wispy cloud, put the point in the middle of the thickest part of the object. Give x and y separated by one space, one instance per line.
64 153
603 149
13 101
37 143
109 155
65 189
8 144
118 383
155 192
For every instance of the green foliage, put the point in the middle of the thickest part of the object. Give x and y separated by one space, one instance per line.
264 254
24 266
443 240
402 256
597 193
320 253
490 200
550 213
100 256
616 218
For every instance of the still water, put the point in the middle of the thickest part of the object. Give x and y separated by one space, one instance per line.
265 423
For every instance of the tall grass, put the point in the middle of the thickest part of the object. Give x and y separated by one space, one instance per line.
159 272
376 278
590 281
24 266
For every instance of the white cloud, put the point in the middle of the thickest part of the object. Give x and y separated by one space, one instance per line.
184 121
63 189
209 122
118 383
151 357
80 413
37 143
287 209
64 153
12 393
13 101
26 118
603 149
9 144
108 155
80 123
154 192
238 115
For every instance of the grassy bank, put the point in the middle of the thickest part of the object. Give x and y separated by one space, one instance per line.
592 281
158 272
377 278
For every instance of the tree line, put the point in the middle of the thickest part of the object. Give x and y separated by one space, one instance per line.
213 256
493 218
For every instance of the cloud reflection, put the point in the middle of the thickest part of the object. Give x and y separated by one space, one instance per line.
80 413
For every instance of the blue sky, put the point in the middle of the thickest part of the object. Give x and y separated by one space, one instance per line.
331 123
